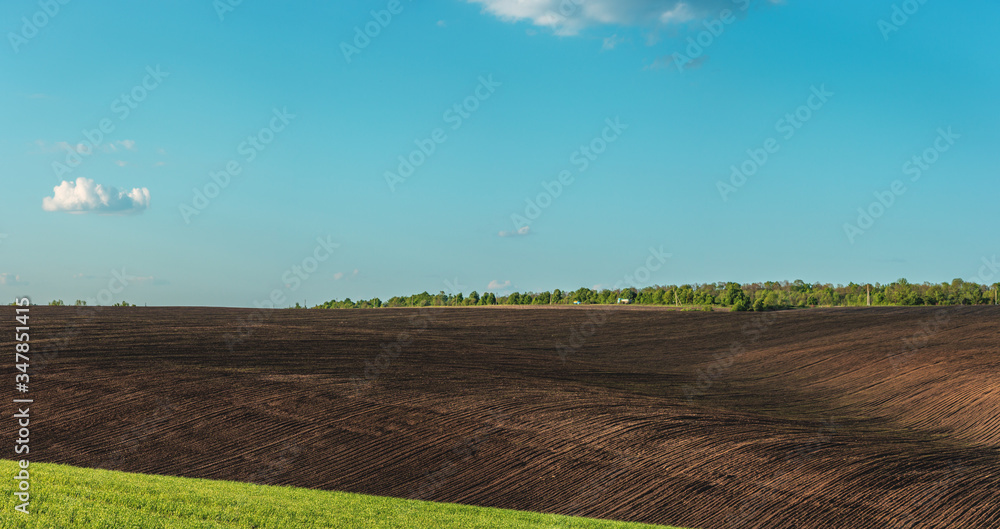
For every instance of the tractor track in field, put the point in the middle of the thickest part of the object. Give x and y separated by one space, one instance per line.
862 418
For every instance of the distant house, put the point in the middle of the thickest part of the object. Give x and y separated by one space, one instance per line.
576 302
623 301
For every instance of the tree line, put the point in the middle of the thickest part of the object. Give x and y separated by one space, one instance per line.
771 295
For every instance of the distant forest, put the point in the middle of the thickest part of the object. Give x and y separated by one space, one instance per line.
772 295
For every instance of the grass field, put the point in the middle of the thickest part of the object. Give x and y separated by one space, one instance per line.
68 497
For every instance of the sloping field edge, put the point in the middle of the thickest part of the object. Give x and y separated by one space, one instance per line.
69 497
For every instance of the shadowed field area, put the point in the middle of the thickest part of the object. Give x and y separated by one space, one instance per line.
862 418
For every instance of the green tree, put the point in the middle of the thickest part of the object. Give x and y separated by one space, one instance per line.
732 294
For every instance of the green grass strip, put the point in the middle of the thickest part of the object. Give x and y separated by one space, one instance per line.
64 497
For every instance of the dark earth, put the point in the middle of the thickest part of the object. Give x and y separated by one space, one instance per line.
860 418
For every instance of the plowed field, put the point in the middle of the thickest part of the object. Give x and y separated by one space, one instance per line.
860 418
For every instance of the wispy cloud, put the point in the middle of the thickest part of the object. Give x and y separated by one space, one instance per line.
44 147
524 230
341 275
12 280
496 285
85 195
569 17
612 42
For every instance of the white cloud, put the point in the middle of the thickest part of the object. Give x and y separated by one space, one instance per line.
568 17
680 13
42 147
85 195
341 275
524 230
611 42
496 285
441 23
11 280
121 163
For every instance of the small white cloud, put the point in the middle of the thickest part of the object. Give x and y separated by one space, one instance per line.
85 195
121 163
338 276
128 144
441 23
355 272
524 230
11 280
496 285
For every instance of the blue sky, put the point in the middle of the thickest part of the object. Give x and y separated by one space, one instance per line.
536 83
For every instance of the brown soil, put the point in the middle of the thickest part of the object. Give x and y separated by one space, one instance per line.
861 418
